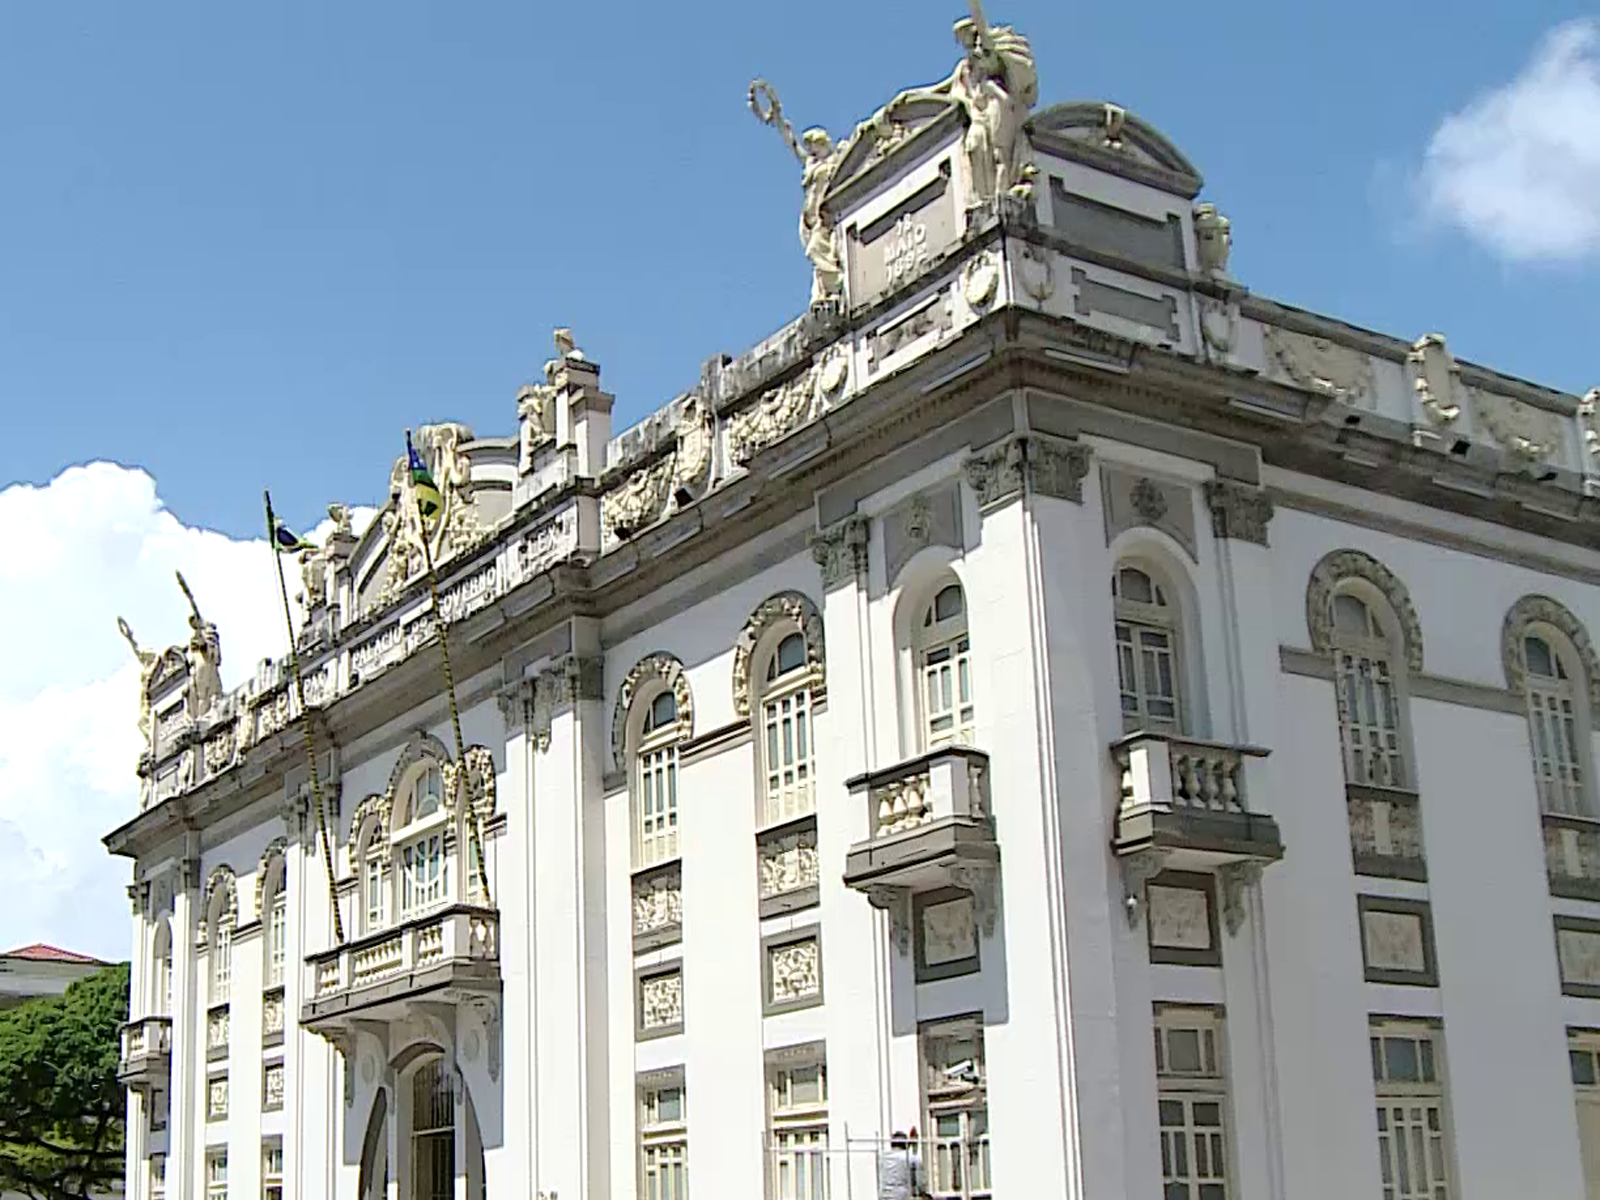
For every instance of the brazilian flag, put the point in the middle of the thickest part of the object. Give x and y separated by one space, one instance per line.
286 541
429 502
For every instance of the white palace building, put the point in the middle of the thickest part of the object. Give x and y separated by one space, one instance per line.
1138 736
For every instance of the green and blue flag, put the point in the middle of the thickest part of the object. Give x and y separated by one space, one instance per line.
429 501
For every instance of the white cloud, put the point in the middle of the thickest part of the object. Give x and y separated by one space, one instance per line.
92 545
1518 169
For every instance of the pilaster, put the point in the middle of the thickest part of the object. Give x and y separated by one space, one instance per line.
186 1114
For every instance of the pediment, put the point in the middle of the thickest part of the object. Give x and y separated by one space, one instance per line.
883 143
1109 138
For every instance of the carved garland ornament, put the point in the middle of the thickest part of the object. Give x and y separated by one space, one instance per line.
1340 565
276 848
374 808
220 880
479 782
421 746
792 608
641 499
652 668
1541 610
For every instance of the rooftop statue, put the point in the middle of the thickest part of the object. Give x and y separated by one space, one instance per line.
819 157
997 84
149 662
205 656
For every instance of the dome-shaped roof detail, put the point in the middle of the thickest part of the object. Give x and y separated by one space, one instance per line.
1109 138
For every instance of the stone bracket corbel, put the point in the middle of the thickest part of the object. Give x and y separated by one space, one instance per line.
1137 870
1236 879
896 902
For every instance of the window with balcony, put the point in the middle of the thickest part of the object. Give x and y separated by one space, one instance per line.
161 970
1583 1051
955 1095
422 843
217 1174
785 733
275 920
797 1124
1414 1148
943 658
663 1139
655 782
1148 655
1192 1104
1556 693
272 1170
1370 690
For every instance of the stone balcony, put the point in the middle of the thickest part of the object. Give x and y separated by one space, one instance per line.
146 1053
1188 801
926 823
445 956
1572 856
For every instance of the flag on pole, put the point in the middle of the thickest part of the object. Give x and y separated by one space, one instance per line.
429 502
286 541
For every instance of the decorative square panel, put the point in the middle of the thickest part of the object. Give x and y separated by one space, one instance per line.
1397 941
1578 954
1181 920
217 1098
657 907
272 1086
946 931
792 970
272 1016
788 868
217 1032
659 997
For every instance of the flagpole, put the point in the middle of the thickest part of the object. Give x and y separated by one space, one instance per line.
305 725
450 690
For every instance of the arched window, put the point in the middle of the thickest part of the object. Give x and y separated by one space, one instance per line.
161 970
433 1132
1555 695
369 864
275 919
422 843
1364 661
944 669
1148 655
785 733
220 922
656 782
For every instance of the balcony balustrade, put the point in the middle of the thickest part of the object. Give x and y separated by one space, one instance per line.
923 824
146 1053
1189 800
441 956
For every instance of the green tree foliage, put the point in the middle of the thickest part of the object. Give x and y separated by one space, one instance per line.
61 1107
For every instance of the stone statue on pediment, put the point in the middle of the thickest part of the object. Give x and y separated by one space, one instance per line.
997 84
149 661
819 157
204 656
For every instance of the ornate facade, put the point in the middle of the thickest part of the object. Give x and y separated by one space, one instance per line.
994 707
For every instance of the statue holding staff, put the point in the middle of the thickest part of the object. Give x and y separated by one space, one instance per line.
819 158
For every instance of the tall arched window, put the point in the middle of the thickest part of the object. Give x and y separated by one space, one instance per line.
786 749
422 843
369 862
1364 659
1148 656
433 1132
1556 718
275 919
220 922
944 669
161 970
656 782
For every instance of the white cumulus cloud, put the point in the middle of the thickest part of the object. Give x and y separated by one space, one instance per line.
1518 169
92 545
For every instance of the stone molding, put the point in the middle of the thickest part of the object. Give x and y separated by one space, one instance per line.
1238 511
1340 565
660 668
223 880
276 848
1542 610
784 608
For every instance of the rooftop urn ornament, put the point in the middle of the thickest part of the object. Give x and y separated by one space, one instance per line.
819 157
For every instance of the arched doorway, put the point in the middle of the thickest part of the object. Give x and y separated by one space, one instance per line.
375 1151
440 1138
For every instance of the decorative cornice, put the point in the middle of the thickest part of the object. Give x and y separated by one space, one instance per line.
1340 565
653 668
1238 511
841 550
788 608
1542 610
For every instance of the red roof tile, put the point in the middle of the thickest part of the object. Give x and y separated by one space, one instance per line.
39 952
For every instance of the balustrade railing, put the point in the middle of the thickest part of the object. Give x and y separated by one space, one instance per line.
1168 773
950 782
461 933
145 1037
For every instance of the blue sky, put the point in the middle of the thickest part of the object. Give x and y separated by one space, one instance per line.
248 245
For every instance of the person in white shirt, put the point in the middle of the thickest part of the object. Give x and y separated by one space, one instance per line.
900 1169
